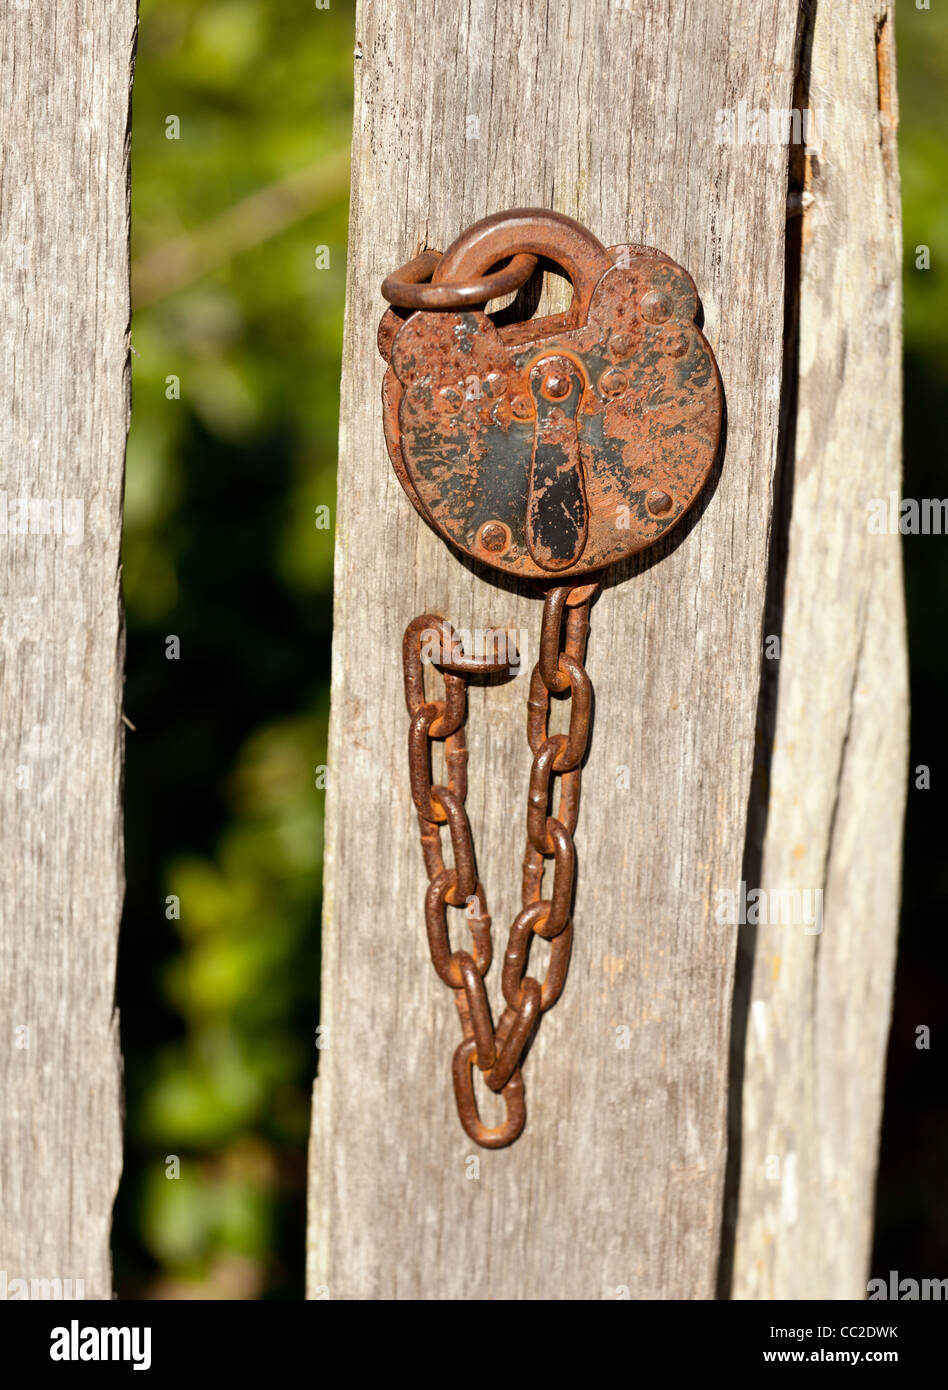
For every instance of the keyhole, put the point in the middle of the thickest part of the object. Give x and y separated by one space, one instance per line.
557 517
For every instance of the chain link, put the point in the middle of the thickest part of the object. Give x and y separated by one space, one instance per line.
498 1053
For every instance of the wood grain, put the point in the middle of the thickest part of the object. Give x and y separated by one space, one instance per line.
820 1003
607 113
64 402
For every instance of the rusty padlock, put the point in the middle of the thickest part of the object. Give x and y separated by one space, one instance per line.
550 449
557 446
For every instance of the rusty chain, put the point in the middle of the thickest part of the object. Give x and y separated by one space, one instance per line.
498 1053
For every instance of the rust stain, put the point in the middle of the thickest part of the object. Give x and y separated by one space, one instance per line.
886 98
884 66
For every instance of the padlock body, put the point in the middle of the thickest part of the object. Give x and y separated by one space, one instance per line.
548 450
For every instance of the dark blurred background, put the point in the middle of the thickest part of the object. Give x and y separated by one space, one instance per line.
242 121
912 1195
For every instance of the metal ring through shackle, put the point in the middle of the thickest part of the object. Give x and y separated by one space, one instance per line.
406 288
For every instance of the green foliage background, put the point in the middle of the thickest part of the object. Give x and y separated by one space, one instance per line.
219 1004
221 549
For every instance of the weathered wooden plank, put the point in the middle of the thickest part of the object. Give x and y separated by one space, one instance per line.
605 112
820 1001
64 399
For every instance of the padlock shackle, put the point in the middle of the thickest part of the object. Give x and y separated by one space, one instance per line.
538 232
